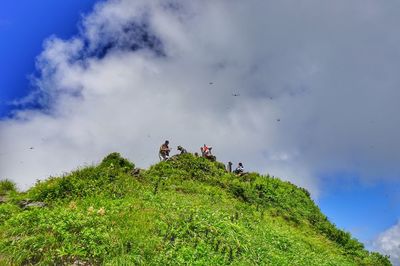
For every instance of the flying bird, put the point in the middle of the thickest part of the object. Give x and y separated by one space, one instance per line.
278 120
235 94
211 83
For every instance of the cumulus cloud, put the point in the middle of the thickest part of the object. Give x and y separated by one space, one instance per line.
318 88
389 243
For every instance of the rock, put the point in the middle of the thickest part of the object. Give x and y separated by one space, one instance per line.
24 202
27 203
136 172
212 158
80 263
36 204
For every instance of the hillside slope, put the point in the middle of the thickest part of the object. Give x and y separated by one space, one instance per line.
186 211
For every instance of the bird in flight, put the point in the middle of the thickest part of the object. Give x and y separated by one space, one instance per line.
235 94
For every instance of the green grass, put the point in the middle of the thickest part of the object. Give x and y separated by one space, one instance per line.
186 211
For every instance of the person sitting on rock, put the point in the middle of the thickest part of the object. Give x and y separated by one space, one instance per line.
239 170
182 150
164 151
206 152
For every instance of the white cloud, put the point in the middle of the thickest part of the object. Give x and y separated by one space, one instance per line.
318 87
389 243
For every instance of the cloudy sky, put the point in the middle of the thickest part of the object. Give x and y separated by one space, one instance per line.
306 91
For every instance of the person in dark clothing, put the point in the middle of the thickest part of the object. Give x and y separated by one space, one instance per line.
229 167
182 150
240 169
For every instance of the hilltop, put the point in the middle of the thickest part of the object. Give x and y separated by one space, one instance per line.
184 211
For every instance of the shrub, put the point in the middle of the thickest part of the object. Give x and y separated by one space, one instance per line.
7 186
114 160
86 181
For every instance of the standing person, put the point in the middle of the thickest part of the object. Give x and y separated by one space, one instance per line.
164 151
229 167
240 169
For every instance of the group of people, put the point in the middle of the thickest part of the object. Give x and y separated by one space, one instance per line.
165 151
239 169
205 152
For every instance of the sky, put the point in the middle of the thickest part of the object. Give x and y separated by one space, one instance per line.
305 92
24 25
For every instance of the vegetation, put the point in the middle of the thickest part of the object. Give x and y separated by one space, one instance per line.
6 187
185 211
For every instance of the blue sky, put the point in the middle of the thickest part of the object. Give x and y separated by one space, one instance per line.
24 25
362 209
314 96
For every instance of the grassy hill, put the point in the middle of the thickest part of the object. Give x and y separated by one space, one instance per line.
186 211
